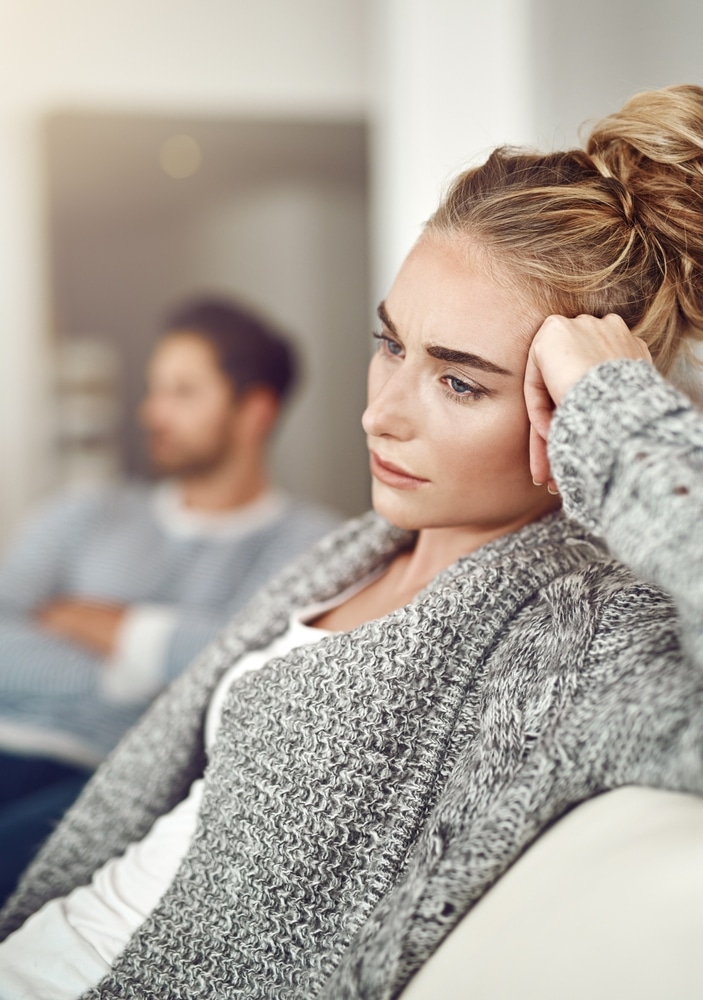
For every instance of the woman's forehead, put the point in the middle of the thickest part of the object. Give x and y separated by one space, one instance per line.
444 295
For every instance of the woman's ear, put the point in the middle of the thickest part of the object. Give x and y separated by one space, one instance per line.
539 462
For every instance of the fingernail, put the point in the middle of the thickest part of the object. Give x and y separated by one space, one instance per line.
536 483
554 493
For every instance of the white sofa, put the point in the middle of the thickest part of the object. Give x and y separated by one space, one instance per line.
606 905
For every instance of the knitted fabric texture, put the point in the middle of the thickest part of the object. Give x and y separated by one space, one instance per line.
364 792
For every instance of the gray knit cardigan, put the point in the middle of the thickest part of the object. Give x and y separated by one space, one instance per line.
363 793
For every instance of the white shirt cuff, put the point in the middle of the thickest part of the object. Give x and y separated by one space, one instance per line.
136 670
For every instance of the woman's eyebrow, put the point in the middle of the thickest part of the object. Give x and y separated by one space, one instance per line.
382 314
447 353
464 358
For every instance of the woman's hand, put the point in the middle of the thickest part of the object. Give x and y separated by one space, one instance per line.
562 351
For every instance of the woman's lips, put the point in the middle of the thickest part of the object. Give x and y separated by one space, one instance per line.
392 475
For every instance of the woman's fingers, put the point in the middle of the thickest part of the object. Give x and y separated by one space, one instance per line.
564 350
538 398
539 463
539 409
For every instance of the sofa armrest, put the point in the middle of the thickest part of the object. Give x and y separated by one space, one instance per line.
607 903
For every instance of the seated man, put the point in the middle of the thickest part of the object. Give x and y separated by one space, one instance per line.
109 595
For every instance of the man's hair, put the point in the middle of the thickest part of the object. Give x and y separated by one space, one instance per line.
249 350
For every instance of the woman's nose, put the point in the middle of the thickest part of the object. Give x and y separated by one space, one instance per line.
391 401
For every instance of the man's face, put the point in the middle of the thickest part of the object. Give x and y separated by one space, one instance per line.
189 411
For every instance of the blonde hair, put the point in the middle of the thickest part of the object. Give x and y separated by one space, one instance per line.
617 227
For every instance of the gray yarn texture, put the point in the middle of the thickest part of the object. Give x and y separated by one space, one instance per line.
363 793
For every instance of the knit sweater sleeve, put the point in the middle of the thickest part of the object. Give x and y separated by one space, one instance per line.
626 450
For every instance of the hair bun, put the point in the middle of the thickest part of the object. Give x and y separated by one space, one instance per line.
654 128
653 151
653 147
617 227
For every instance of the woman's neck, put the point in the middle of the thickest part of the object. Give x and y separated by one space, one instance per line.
410 572
438 548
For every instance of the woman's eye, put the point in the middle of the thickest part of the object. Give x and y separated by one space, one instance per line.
459 387
462 391
388 345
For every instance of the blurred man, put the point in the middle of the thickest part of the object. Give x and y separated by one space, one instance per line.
109 596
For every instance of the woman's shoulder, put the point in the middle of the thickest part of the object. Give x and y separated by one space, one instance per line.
613 630
598 635
610 594
575 590
558 562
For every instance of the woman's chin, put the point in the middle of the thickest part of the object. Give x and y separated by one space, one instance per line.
395 513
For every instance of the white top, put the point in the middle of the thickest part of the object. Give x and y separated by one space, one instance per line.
72 942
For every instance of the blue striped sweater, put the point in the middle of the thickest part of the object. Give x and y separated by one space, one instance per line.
129 545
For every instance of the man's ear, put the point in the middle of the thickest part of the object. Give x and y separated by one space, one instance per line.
257 412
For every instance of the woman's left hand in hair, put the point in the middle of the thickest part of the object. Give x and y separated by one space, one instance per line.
563 351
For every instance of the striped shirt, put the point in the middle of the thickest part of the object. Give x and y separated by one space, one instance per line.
183 575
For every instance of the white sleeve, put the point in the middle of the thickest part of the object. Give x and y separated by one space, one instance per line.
137 669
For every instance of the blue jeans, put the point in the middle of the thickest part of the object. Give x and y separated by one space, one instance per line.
34 794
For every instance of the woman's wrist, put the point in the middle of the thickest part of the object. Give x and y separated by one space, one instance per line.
611 404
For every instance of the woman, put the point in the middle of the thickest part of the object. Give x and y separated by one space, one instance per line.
412 703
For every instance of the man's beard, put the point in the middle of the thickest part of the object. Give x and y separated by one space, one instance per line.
188 463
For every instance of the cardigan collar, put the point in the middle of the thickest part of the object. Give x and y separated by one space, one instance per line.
535 554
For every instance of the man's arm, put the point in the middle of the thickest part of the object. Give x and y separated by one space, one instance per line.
34 659
91 624
155 642
33 569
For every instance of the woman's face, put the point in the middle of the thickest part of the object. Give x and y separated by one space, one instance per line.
446 423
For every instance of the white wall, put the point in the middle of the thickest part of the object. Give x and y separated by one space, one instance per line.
272 57
588 58
453 78
315 285
220 55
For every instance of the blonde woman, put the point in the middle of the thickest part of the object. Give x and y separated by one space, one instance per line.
361 755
